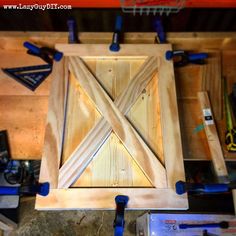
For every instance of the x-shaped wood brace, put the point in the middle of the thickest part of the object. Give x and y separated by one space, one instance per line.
115 120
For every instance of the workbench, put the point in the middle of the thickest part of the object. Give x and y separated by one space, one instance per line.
23 113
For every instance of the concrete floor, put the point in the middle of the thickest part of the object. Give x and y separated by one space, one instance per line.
63 223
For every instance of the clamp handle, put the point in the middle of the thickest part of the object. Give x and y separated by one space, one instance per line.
183 187
41 189
72 28
115 45
37 51
158 26
119 222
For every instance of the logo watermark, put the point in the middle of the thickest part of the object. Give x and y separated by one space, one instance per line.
43 7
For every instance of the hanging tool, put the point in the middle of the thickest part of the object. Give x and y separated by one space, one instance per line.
115 45
182 58
197 188
158 26
39 188
222 225
32 76
119 222
230 136
72 28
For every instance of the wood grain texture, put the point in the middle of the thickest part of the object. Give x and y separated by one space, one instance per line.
195 144
55 125
212 82
81 116
172 146
102 130
24 118
129 137
117 165
103 198
213 139
101 50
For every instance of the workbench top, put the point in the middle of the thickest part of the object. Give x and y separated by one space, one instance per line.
23 113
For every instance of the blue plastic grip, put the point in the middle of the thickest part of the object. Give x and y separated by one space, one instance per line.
119 231
118 25
121 199
197 56
159 29
182 187
44 189
72 30
58 56
9 190
215 188
32 47
169 55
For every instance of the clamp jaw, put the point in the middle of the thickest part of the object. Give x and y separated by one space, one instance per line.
38 188
47 54
182 58
119 222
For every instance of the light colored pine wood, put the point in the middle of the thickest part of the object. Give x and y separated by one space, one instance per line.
213 139
55 124
124 102
104 198
119 169
129 137
158 196
81 116
172 146
117 165
142 118
24 118
211 82
100 51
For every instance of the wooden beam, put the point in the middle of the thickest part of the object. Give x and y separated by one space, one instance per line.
104 198
144 157
55 125
171 137
212 137
81 157
212 82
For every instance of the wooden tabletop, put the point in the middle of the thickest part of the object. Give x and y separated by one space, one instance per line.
23 113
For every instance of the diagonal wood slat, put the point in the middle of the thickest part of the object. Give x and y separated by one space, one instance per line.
82 156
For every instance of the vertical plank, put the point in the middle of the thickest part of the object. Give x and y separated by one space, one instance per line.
105 73
55 124
132 141
145 117
118 168
212 82
81 116
212 137
172 145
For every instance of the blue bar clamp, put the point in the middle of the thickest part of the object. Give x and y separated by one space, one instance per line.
182 58
40 188
115 45
47 54
119 222
183 187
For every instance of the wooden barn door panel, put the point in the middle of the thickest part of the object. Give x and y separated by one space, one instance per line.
120 131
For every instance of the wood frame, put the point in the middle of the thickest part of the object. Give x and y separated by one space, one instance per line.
162 195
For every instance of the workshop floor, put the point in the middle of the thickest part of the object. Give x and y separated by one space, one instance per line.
60 223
